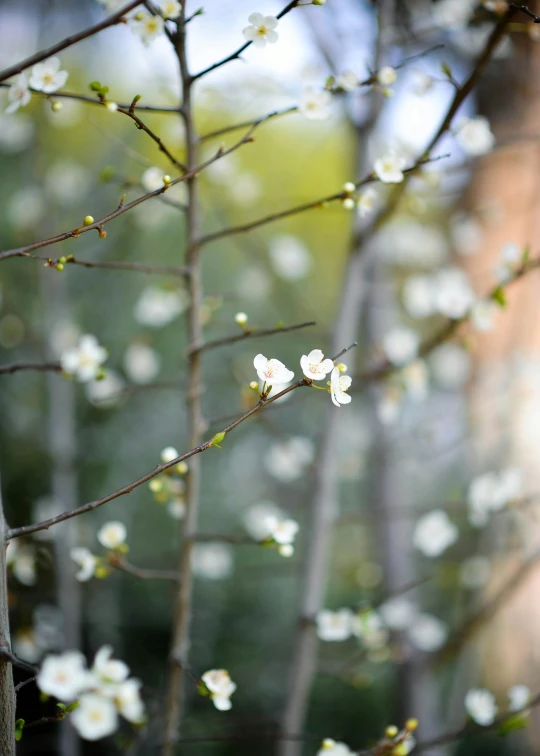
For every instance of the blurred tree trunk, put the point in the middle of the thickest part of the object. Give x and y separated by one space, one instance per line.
7 692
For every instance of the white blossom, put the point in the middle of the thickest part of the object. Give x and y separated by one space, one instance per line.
112 534
386 76
261 30
466 234
519 697
212 561
18 94
16 133
127 697
169 8
510 257
491 492
348 81
290 257
423 82
401 345
339 385
112 5
368 626
106 391
314 365
287 460
428 633
366 201
389 168
452 294
47 76
434 533
272 371
22 561
63 676
475 136
85 360
220 687
331 747
152 179
398 613
95 717
315 104
418 296
452 14
451 365
107 672
480 706
415 379
283 532
257 517
146 26
389 405
141 363
86 562
334 626
157 307
168 454
483 314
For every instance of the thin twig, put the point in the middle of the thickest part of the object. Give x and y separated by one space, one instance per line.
115 18
247 334
160 270
142 573
8 655
22 684
16 367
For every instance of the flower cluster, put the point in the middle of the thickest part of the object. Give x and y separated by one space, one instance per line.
280 534
491 492
102 693
219 686
85 360
481 706
112 536
434 533
314 367
46 77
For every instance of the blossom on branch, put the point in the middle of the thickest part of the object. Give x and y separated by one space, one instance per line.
86 562
85 360
389 168
147 27
315 105
330 747
47 76
401 345
18 94
261 30
112 534
334 626
314 365
474 136
348 81
95 717
63 676
220 687
481 707
434 533
339 385
169 8
282 533
272 371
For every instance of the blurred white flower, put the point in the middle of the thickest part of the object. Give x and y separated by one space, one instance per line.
18 94
112 534
290 257
400 345
418 296
452 293
347 81
24 566
212 561
334 626
466 234
368 626
112 5
85 360
510 257
386 76
434 533
105 392
271 371
95 717
475 136
451 14
428 633
315 105
127 697
451 365
169 8
366 201
398 613
146 26
314 365
283 532
152 179
257 517
67 182
16 133
157 307
261 30
389 405
389 168
63 676
141 363
475 572
168 454
86 562
220 687
339 385
245 188
47 76
491 492
480 706
330 747
519 697
108 672
483 314
26 647
26 207
422 82
407 242
287 460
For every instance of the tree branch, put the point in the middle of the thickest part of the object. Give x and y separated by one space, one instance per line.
256 333
16 367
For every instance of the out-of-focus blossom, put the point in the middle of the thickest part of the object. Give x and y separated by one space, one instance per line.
169 8
146 26
290 257
348 81
315 104
428 633
475 136
434 533
366 201
158 307
105 392
18 94
16 133
519 697
480 706
452 294
483 314
398 613
63 676
112 534
475 572
400 345
418 296
334 626
466 234
331 747
85 360
491 492
220 686
212 561
95 717
451 365
389 168
86 562
141 363
511 255
452 14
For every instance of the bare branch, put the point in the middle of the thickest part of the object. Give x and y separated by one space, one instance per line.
16 367
160 270
248 333
142 573
115 18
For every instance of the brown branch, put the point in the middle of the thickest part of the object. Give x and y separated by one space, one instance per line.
244 124
238 53
90 506
237 540
23 684
162 270
115 18
8 655
318 203
92 100
142 573
15 367
257 333
123 208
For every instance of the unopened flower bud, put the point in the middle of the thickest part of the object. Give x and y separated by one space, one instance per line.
286 550
59 266
349 187
168 454
112 107
181 468
155 485
241 318
254 386
167 180
88 220
56 105
348 203
342 367
391 731
411 725
62 260
102 233
400 750
318 2
139 16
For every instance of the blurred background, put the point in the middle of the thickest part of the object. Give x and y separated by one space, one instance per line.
435 621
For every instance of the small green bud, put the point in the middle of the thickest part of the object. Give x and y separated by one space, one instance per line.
411 725
218 438
254 386
241 318
181 468
56 106
59 266
167 180
318 2
88 220
62 260
391 731
400 750
19 725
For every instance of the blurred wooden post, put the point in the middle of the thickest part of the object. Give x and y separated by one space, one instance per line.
7 691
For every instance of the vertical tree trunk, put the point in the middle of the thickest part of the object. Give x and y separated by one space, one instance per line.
7 692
